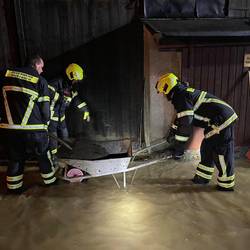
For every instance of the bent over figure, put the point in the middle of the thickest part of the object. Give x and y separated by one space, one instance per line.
63 92
201 109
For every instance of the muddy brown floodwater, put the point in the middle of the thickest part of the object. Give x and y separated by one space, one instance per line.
162 210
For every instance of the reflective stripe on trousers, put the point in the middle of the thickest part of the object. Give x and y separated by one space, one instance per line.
218 151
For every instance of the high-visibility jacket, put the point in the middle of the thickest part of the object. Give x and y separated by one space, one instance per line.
201 109
56 100
24 99
62 95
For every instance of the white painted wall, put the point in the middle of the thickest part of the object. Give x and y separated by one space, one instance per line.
158 112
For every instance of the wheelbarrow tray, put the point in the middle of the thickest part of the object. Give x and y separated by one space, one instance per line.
96 168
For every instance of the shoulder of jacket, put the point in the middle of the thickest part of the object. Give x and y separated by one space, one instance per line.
55 82
43 80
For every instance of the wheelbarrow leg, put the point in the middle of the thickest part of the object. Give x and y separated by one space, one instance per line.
124 180
133 177
117 183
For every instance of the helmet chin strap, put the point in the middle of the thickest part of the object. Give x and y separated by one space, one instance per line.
170 95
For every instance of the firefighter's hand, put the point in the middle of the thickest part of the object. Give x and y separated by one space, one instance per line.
86 116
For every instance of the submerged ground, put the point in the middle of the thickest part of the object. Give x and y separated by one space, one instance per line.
161 210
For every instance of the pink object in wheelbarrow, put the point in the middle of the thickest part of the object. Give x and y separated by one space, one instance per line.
74 172
75 175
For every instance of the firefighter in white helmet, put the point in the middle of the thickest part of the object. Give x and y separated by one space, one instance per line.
201 109
64 92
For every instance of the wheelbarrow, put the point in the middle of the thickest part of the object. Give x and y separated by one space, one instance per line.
75 170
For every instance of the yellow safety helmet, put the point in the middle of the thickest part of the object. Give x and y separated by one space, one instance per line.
74 72
166 83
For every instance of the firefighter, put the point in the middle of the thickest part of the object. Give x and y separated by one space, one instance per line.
201 109
63 92
24 100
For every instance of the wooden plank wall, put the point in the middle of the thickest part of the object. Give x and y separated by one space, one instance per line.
8 38
239 8
54 27
220 70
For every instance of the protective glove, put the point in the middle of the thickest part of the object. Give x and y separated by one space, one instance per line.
67 100
86 116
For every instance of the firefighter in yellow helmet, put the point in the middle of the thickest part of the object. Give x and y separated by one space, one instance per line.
202 109
166 83
74 72
64 93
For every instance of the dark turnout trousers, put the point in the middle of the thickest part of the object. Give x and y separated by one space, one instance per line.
218 151
23 145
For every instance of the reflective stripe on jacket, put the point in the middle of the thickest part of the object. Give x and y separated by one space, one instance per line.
59 87
201 109
24 100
